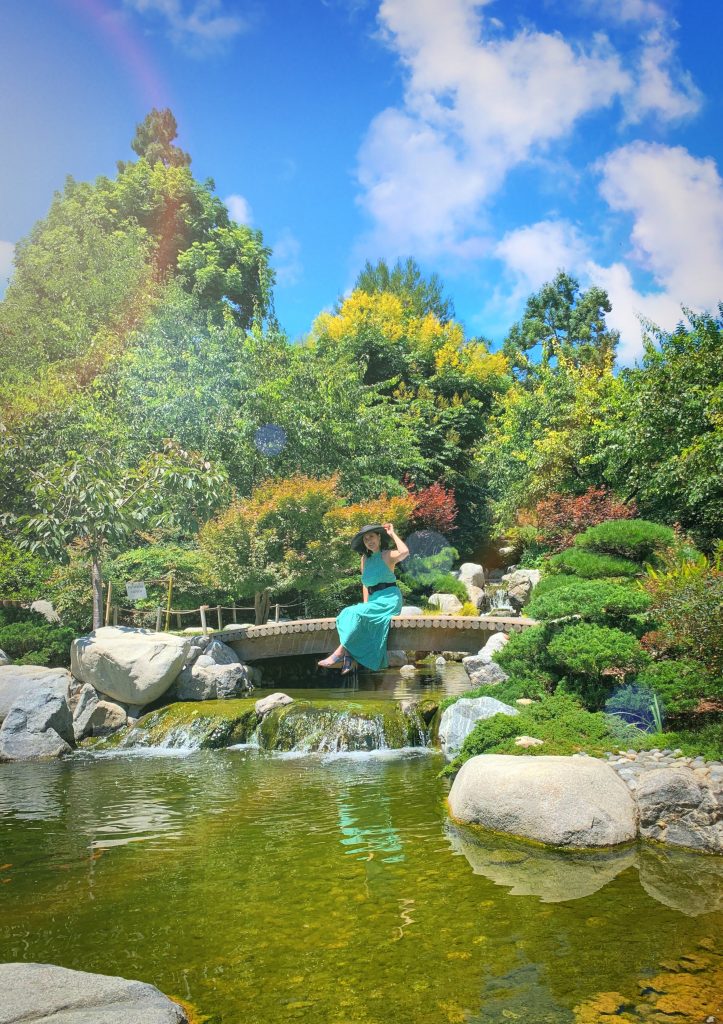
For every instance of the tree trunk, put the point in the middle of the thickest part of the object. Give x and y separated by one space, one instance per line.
97 577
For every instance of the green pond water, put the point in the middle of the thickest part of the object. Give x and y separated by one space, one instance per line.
266 887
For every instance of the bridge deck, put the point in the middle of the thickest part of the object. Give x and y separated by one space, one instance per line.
407 632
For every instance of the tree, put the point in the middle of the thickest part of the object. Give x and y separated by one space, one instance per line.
561 321
419 295
154 140
665 446
92 501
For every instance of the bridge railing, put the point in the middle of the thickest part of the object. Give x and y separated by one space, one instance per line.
205 614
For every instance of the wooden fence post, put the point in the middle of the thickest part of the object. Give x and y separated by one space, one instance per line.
159 614
202 610
234 612
115 614
107 603
220 619
277 612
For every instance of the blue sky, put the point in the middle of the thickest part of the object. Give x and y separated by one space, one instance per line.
495 142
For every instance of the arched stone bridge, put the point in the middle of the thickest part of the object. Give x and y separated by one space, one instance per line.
406 633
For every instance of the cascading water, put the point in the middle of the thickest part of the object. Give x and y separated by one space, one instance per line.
304 726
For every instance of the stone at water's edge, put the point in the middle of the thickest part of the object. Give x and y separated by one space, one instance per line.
18 680
213 682
484 673
93 716
270 703
40 724
35 993
133 666
558 801
5 659
460 718
678 807
446 603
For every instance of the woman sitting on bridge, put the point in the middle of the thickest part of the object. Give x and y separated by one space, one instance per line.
363 628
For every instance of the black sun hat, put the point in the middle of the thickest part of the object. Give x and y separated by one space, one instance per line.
357 541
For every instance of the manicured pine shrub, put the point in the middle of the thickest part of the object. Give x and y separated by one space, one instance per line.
33 641
594 600
525 654
594 658
636 539
592 565
681 686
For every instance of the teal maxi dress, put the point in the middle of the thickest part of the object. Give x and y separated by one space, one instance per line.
363 628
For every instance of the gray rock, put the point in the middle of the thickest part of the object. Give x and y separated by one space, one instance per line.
270 703
39 725
440 661
213 682
528 741
39 993
408 670
553 800
460 718
520 585
446 603
45 608
679 807
397 658
484 673
18 680
410 609
94 716
5 659
472 573
133 666
221 654
495 643
476 595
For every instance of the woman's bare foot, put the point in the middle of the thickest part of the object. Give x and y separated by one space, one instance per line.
333 660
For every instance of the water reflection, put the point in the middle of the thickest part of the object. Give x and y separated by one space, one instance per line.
688 882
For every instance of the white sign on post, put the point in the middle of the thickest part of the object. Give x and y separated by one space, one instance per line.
136 591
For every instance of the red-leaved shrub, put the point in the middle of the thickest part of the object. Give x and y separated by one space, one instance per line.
435 507
560 517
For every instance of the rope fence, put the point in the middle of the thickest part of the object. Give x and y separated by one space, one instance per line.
261 608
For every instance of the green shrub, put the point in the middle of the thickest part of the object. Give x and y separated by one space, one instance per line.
594 600
548 584
592 565
443 583
636 705
559 720
681 685
587 649
635 539
525 653
37 642
154 563
508 692
23 575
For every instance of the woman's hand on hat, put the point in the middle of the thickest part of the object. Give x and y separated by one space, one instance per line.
388 527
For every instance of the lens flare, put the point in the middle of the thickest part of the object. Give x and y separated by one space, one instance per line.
270 439
430 553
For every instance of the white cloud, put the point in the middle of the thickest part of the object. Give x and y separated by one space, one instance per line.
7 252
477 104
286 259
624 11
656 91
676 201
239 209
536 252
198 26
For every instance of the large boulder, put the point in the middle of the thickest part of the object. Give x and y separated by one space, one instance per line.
35 993
39 724
446 603
678 806
520 585
213 682
410 609
470 573
45 608
559 801
133 666
460 718
495 643
18 680
5 659
476 595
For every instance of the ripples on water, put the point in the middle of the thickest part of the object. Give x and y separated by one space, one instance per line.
324 888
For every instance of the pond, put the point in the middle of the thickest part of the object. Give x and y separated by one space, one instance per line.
264 887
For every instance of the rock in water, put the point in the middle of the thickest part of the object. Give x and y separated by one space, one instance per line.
270 703
39 725
35 993
553 800
483 673
133 666
213 682
5 659
460 718
94 716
